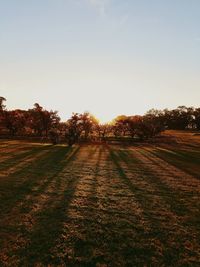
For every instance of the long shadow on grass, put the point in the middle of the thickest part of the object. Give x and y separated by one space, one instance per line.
49 177
18 158
26 209
26 178
181 202
169 195
184 160
177 198
84 248
170 257
50 221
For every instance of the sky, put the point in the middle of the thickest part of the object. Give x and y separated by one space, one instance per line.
107 57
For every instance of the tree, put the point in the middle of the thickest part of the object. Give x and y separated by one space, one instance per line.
80 126
2 113
50 119
88 123
74 129
197 118
2 106
54 136
121 125
135 126
15 121
153 122
41 120
103 130
180 118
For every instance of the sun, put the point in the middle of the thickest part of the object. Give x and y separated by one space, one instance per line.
104 119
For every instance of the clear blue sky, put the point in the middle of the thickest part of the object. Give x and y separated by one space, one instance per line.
108 57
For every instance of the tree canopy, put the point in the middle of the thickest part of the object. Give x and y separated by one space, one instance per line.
39 122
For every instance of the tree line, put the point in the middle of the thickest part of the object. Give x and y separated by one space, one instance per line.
39 122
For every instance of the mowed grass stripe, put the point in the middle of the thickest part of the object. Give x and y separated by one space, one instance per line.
184 189
11 151
95 206
183 180
166 226
82 216
110 235
16 148
19 184
123 221
8 145
43 239
29 160
26 212
188 161
147 203
18 158
179 195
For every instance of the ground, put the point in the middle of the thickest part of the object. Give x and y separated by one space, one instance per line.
101 205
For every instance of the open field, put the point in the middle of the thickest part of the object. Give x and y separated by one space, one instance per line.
100 205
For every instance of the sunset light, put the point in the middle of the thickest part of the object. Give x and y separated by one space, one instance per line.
99 133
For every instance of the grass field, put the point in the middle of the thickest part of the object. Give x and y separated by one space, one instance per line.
100 205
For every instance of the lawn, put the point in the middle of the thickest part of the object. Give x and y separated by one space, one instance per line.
100 205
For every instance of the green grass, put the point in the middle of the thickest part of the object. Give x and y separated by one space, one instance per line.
187 160
98 205
171 202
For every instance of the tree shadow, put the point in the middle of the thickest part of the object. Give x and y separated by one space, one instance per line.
174 198
18 158
21 182
148 250
86 252
51 219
